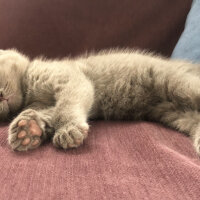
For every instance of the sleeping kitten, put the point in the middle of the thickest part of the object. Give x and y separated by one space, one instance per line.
57 97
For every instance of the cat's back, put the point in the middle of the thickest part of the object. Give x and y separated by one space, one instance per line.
130 81
128 58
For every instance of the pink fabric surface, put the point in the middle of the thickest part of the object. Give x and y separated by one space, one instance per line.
119 160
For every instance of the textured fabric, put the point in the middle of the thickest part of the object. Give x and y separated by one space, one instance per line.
188 46
61 27
119 160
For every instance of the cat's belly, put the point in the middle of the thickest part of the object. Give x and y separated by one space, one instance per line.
129 105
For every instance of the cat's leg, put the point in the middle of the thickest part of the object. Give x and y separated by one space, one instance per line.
180 106
30 128
184 121
72 108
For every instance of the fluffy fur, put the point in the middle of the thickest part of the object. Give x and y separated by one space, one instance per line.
59 96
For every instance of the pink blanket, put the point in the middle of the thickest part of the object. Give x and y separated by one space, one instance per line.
119 160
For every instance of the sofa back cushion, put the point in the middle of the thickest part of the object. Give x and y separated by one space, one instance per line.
59 28
188 46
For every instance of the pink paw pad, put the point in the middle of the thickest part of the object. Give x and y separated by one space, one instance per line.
84 128
29 133
78 141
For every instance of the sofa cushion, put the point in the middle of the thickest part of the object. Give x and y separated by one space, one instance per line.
188 46
59 28
119 160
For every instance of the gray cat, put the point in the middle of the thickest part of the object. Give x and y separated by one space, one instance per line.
57 97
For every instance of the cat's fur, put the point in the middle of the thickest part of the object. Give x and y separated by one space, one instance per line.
61 95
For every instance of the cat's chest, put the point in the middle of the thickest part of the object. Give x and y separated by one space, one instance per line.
39 88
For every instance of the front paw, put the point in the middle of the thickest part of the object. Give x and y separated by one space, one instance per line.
26 131
70 136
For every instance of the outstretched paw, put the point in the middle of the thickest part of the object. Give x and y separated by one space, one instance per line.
70 136
25 135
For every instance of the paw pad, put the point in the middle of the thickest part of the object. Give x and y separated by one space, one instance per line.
28 135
